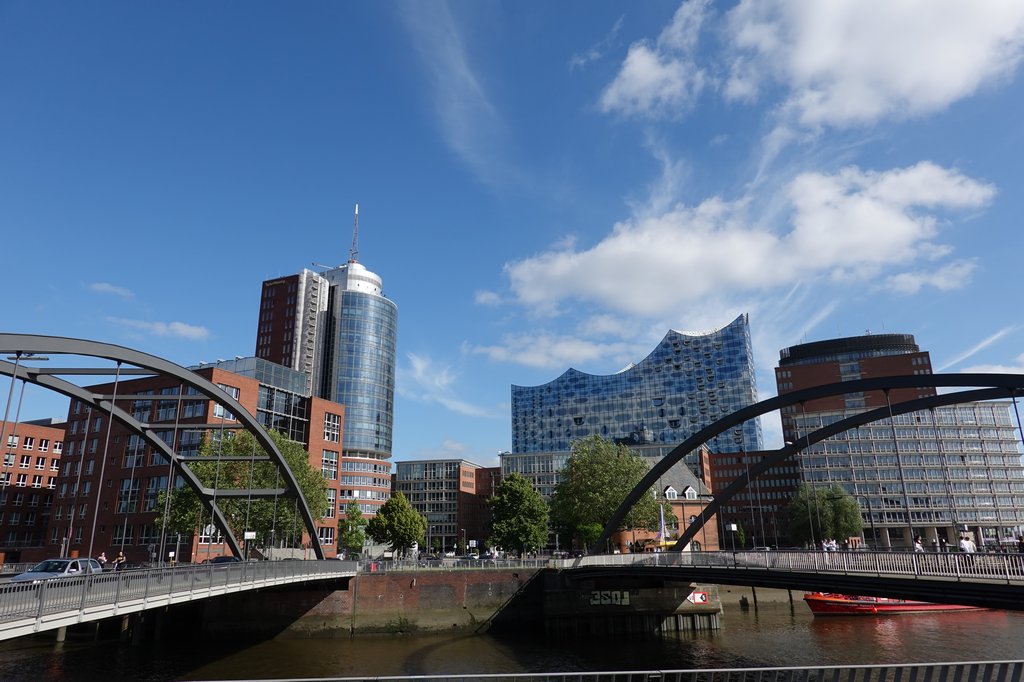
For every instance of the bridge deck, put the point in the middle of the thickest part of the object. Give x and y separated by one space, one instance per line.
26 608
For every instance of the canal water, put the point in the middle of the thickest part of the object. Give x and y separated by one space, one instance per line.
776 634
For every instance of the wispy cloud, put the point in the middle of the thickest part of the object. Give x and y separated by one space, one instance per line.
470 124
426 382
179 330
595 52
107 288
978 347
551 351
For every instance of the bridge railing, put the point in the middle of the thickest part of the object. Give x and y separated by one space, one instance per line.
980 566
36 600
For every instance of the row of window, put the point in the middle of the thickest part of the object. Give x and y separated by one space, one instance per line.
22 480
29 443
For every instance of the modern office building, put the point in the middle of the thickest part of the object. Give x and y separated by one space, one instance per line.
110 480
452 494
340 331
28 479
935 473
687 382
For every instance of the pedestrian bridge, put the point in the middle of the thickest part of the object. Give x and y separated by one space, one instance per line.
27 608
986 579
989 580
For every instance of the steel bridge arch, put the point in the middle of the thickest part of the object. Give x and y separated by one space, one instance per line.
143 364
999 386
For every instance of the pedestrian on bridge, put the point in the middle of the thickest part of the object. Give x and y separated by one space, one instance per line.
119 561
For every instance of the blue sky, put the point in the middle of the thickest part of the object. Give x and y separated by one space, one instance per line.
541 184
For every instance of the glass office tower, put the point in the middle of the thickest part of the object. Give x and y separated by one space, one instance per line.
359 358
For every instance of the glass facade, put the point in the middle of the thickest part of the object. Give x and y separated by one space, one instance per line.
685 384
361 371
282 404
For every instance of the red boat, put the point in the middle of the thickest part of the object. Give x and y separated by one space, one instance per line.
829 604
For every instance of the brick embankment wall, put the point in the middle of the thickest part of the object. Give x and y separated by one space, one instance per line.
414 601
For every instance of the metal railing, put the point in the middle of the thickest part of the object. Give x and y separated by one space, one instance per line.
34 606
975 671
988 567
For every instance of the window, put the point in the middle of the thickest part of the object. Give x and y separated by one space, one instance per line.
326 536
332 503
332 428
44 444
12 441
29 443
218 409
329 465
40 462
671 494
25 462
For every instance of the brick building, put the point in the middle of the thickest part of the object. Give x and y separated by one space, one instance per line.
110 480
28 480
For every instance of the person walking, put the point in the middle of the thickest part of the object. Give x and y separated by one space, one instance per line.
102 558
119 561
918 544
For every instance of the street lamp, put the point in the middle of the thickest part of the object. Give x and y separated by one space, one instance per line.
465 544
732 531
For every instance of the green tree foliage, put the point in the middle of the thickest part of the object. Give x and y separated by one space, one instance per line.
819 513
352 529
519 516
595 480
273 520
397 525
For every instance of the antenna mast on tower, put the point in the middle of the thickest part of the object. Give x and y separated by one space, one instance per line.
354 251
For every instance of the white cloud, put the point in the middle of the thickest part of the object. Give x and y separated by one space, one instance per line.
978 347
425 382
107 288
952 276
848 226
179 330
548 351
852 62
661 79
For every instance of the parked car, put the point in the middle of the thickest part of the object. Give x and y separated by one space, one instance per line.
226 559
58 568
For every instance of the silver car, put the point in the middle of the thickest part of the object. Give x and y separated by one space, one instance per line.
58 568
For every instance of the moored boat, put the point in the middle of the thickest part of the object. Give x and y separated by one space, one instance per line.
830 604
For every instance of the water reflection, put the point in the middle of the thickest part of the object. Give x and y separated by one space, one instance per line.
774 635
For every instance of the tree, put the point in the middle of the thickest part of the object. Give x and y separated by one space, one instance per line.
815 514
397 524
271 519
352 529
596 479
519 515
